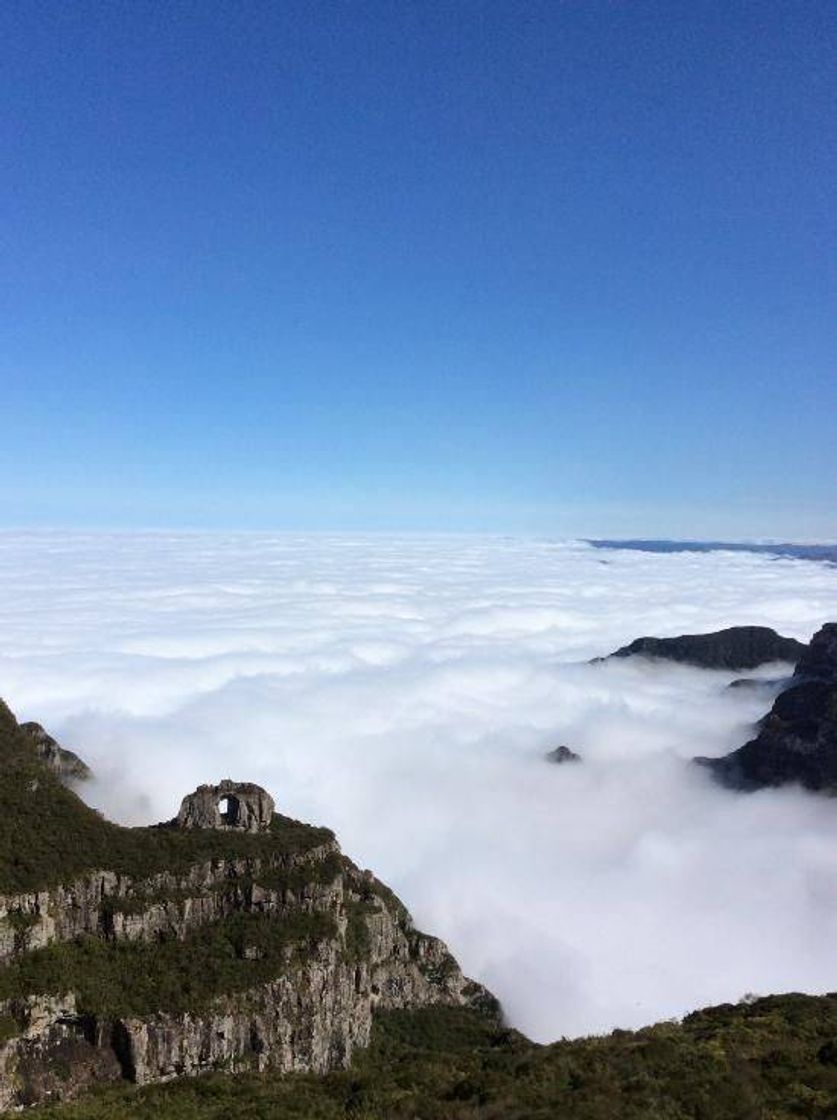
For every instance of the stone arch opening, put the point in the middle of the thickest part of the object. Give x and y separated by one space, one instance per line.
229 805
230 809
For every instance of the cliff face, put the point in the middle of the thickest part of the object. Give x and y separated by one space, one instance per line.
272 956
797 739
312 1011
311 1019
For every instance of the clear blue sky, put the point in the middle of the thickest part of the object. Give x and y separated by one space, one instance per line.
553 267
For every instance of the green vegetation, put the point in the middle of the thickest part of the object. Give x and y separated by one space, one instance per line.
21 921
357 929
314 873
775 1059
49 836
121 978
439 973
9 1028
374 888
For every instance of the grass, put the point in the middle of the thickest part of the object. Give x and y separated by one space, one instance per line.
358 939
319 873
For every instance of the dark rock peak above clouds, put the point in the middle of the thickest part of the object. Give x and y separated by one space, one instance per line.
563 754
818 660
737 647
797 739
67 765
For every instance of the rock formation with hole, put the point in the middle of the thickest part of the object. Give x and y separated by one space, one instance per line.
242 806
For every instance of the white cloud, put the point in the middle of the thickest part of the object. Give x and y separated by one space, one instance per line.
404 691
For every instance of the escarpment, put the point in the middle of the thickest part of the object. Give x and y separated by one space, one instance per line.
151 953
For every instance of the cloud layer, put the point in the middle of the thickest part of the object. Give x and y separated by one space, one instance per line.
404 691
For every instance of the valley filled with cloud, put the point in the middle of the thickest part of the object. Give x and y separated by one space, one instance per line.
405 690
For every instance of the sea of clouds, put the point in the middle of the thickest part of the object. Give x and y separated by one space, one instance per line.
404 692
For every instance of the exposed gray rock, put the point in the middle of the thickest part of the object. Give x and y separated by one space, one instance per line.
67 765
737 647
57 1055
229 805
563 754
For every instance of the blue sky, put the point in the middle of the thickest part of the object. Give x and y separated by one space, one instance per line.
541 267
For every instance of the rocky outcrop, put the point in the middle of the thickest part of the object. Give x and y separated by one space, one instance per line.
797 739
58 1053
67 765
737 647
229 805
562 754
